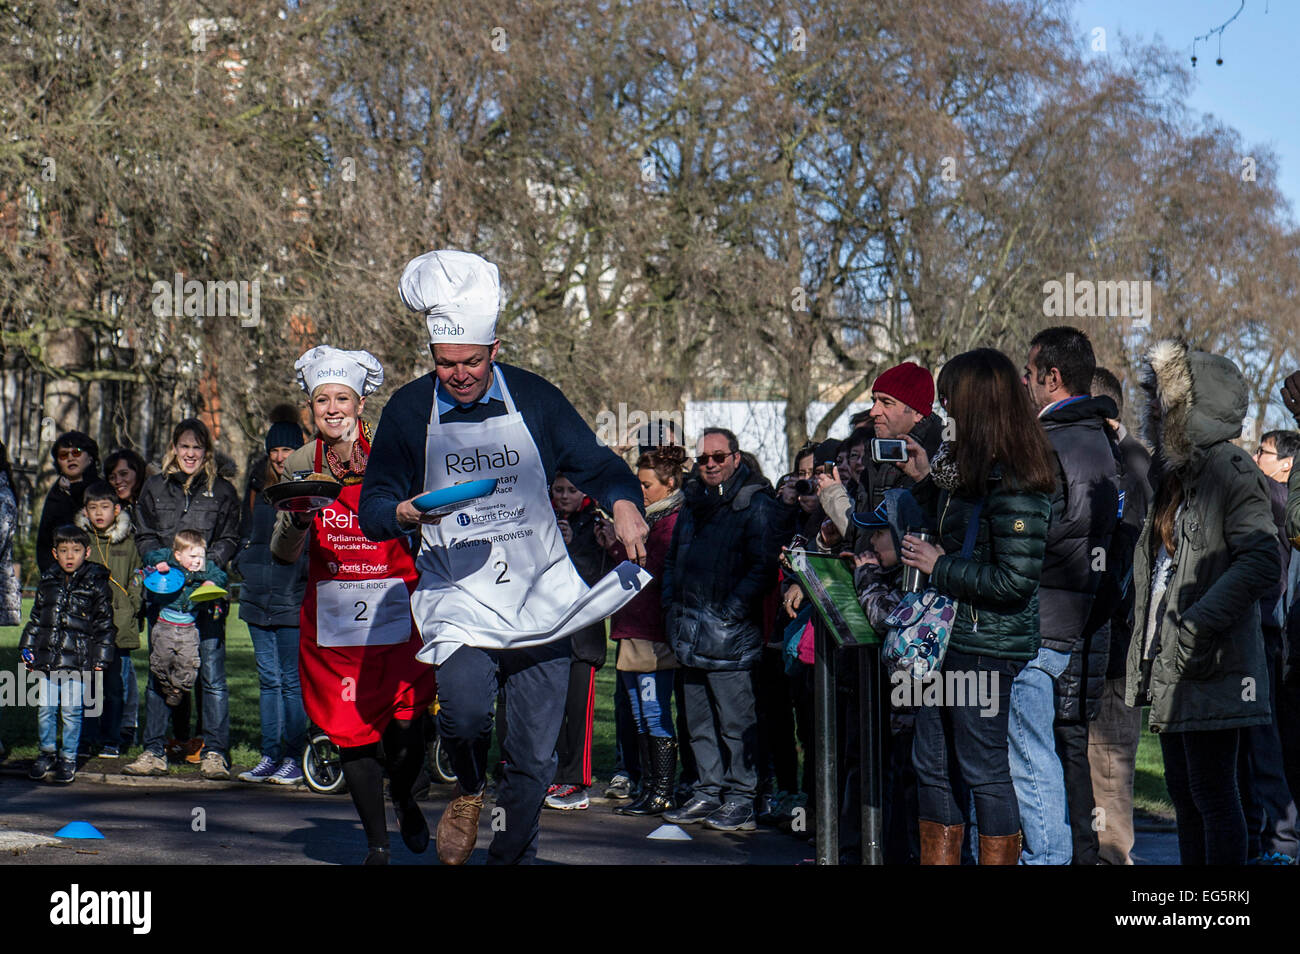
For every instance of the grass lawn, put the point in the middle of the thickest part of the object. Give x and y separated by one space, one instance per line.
18 726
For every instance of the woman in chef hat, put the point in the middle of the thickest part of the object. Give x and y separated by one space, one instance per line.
361 681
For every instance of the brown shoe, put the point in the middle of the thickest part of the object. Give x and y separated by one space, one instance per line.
1000 849
458 828
941 844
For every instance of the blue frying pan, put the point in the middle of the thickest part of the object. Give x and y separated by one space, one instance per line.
439 503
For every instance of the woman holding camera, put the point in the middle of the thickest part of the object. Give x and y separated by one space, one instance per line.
996 479
1207 554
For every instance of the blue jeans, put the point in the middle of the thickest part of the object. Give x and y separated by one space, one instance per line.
960 750
214 701
131 695
649 693
106 728
63 701
1035 766
280 698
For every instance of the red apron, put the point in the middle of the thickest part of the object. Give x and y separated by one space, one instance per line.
356 656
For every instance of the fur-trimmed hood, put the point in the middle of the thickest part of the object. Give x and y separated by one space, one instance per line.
1203 401
118 531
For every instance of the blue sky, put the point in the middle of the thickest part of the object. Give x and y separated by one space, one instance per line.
1256 88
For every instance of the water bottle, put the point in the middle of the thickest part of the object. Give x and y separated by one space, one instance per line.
914 581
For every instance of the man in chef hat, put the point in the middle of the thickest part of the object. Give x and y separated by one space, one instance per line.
498 595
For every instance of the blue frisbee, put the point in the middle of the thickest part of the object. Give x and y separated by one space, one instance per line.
439 503
164 583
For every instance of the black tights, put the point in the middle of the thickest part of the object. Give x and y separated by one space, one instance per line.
403 758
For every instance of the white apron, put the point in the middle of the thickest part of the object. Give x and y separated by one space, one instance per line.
496 575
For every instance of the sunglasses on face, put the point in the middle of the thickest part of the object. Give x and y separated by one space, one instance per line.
719 458
69 453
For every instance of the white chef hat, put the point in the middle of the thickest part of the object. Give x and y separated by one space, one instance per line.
459 293
359 370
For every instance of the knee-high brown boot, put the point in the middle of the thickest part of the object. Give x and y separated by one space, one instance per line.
941 844
1000 849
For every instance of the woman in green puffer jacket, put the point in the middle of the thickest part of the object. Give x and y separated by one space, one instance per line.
1207 553
998 473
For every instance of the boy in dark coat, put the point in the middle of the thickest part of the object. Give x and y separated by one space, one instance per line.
70 632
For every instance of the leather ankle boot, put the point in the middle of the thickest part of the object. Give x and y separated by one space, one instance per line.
1000 849
941 844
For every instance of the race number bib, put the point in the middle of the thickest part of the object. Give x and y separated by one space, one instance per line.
362 613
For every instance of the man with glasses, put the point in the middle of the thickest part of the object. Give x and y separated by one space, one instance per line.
721 564
1266 797
76 458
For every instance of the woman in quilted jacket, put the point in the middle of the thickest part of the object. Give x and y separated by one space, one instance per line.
995 479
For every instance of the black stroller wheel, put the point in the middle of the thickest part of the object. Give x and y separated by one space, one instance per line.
322 766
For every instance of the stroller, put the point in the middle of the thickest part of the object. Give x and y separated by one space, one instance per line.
322 764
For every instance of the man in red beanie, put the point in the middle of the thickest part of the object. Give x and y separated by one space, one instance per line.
903 397
902 400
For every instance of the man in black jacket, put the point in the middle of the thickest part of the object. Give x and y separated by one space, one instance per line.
720 565
1113 734
1266 795
76 458
1085 509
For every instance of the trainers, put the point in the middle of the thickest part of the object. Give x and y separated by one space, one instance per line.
733 816
66 772
289 773
213 765
568 798
43 767
695 810
146 764
1271 858
458 828
620 786
260 772
109 752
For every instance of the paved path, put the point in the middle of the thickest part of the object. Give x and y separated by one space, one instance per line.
189 821
264 824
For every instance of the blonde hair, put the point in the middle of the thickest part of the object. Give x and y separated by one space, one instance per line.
185 539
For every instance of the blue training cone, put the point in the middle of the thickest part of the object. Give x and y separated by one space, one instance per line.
78 829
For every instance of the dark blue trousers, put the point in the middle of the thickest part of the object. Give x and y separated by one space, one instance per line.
534 682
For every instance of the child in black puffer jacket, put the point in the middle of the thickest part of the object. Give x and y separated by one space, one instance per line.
71 631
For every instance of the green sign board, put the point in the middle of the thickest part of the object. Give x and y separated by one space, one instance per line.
828 582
